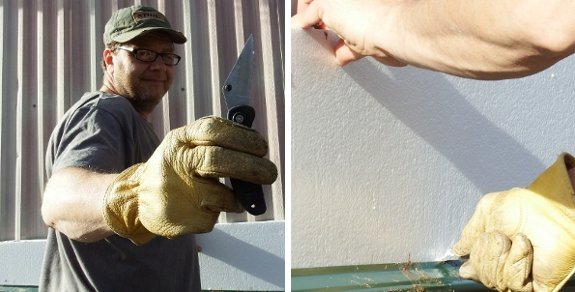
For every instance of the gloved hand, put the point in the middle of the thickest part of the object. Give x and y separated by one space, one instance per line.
524 239
177 190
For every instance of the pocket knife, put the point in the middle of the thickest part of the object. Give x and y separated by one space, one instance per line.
236 91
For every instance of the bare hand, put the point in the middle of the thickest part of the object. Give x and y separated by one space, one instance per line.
356 24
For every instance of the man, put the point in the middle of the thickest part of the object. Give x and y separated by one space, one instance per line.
521 239
121 206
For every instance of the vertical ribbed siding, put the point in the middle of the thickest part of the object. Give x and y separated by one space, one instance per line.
51 52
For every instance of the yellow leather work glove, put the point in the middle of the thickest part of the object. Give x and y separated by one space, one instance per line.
177 190
524 239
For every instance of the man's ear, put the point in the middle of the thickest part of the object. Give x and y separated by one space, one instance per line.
108 58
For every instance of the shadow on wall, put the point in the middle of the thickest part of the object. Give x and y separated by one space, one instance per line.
245 257
448 123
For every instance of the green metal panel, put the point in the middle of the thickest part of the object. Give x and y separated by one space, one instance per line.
414 277
18 289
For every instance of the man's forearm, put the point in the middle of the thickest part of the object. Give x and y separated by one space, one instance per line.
479 39
72 203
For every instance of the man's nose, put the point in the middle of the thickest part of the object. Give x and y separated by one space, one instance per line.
158 64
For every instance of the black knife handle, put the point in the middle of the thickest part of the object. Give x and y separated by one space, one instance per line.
242 114
250 195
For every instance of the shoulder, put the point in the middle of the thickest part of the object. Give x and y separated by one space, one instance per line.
114 104
101 108
96 131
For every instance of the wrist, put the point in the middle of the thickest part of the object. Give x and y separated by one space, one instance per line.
388 41
120 206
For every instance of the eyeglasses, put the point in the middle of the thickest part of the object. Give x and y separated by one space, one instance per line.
149 56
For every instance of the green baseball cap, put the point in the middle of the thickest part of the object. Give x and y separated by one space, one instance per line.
130 22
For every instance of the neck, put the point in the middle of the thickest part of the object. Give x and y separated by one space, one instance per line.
144 114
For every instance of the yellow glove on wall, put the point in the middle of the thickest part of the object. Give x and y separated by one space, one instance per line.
177 190
524 239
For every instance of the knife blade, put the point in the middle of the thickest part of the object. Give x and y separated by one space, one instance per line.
236 92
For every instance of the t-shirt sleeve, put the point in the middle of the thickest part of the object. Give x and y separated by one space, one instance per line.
94 139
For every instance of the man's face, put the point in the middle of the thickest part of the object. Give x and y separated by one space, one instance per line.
144 84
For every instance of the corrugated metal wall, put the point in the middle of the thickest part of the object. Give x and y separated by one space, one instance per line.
51 52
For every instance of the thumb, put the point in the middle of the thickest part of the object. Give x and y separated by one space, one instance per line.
475 227
344 54
467 271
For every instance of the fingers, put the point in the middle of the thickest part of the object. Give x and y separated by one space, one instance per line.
489 255
219 198
344 54
216 131
517 269
309 13
476 225
302 5
500 262
213 147
213 161
467 271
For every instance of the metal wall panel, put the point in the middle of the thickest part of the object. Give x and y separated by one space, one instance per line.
51 52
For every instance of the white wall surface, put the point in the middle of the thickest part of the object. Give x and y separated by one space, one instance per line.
235 256
389 163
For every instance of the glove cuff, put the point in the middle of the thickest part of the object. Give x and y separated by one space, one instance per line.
554 183
120 210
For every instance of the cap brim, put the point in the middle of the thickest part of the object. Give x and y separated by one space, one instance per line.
176 36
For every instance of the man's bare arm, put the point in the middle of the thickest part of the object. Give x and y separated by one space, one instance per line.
72 203
482 39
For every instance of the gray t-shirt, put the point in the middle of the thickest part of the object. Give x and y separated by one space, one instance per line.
104 133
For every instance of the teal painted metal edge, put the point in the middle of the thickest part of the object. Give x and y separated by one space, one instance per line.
413 277
410 276
35 289
18 288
